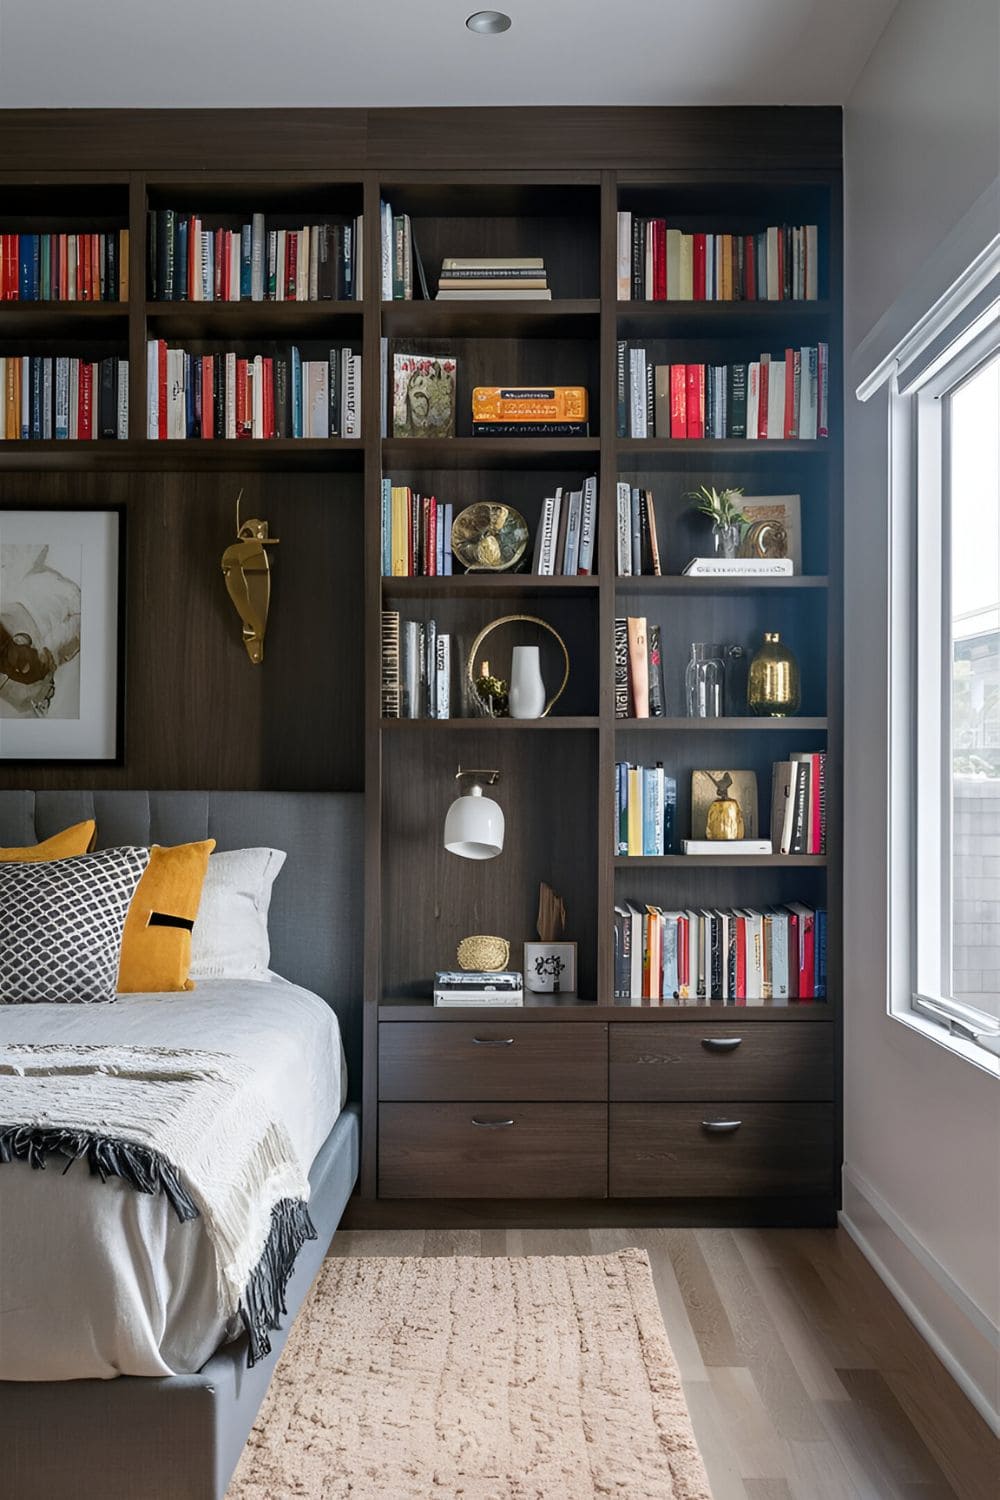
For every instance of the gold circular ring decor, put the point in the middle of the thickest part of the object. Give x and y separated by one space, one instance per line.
470 666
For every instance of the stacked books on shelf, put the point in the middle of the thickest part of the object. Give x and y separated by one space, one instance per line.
191 262
59 397
278 395
637 549
743 956
416 533
493 277
400 257
798 804
482 987
659 264
416 669
645 810
564 541
529 411
638 669
64 267
770 397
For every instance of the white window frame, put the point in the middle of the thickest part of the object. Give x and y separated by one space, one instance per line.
959 334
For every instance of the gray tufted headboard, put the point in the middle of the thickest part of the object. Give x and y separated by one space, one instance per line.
317 906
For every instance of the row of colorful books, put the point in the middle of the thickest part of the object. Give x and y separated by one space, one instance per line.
660 264
56 267
567 526
645 810
735 956
59 397
416 533
192 262
639 692
416 669
773 397
400 257
228 395
798 803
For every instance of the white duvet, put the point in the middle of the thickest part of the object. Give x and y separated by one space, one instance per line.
98 1280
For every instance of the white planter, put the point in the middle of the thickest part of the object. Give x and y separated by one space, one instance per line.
527 690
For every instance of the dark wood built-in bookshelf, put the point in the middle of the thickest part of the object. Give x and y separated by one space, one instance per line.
504 182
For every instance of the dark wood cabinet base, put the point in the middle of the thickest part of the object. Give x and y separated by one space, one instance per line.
591 1213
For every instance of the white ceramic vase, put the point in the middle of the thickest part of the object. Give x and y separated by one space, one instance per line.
527 690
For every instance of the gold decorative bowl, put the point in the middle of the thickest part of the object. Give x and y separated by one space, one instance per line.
490 954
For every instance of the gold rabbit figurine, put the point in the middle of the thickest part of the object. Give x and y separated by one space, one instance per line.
246 568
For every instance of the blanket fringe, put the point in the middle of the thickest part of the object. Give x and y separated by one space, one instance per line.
142 1168
263 1301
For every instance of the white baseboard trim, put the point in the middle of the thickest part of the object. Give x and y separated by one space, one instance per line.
960 1333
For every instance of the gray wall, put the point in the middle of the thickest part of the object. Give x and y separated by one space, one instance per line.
922 1184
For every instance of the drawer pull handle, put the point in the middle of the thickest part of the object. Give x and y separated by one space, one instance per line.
493 1041
721 1127
721 1043
492 1124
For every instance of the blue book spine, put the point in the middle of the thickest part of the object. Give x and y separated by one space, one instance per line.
386 528
618 808
246 261
296 393
181 289
669 813
36 398
449 517
650 811
668 967
25 257
819 956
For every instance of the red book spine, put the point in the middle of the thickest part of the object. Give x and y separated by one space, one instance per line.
432 537
696 401
207 396
161 381
219 268
12 268
95 268
659 260
3 268
85 419
762 412
678 401
789 427
807 957
698 273
741 960
816 777
268 364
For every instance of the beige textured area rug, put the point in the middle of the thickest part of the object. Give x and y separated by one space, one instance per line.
545 1378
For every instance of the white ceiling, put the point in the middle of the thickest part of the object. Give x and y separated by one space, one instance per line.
239 53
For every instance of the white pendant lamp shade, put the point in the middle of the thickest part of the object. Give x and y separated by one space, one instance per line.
474 826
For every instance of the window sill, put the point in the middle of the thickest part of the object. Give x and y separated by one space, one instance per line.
958 1046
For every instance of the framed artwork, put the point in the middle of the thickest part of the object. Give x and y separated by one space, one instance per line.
550 968
774 527
62 637
738 786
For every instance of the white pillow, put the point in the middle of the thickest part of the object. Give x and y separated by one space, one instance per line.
229 939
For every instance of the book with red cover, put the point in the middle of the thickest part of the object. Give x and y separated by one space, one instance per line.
749 269
161 386
762 413
207 396
683 957
244 425
789 428
698 268
806 948
696 401
432 534
11 268
678 401
659 228
268 367
741 958
85 418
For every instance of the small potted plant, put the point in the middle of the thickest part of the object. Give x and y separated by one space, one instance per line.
723 510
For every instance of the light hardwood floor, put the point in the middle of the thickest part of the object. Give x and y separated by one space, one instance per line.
805 1379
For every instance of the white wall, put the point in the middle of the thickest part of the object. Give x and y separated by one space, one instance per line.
922 1174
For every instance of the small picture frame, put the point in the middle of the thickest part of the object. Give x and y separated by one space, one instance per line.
550 968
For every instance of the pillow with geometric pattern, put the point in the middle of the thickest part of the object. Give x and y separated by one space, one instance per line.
61 925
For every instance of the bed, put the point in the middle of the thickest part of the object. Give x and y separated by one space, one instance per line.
178 1436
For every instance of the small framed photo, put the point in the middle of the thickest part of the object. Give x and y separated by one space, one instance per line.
62 635
550 968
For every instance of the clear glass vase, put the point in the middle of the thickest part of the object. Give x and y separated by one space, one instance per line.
726 538
704 681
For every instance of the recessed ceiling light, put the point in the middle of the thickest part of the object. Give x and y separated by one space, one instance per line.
488 22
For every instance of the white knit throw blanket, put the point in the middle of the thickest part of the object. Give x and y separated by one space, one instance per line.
200 1111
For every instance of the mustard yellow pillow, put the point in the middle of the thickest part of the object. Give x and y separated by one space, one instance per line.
156 943
66 845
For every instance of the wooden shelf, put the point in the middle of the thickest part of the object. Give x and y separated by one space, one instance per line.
720 861
68 321
681 584
759 449
171 456
568 318
730 725
516 726
545 1008
244 321
490 453
693 320
466 585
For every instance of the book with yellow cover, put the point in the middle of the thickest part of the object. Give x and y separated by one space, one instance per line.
558 403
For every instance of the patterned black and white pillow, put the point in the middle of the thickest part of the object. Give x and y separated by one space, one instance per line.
61 925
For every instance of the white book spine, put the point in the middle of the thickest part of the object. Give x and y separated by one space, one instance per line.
442 677
257 429
74 399
585 563
623 535
230 395
624 256
257 258
351 384
121 422
61 397
571 553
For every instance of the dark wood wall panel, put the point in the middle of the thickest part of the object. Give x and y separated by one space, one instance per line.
199 714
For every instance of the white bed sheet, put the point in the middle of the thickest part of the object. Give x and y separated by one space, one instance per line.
97 1280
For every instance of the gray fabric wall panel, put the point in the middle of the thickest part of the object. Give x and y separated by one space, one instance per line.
317 903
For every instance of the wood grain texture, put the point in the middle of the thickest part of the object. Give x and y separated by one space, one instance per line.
491 1059
775 1417
691 1061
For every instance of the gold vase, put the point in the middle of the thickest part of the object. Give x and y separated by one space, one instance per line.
724 819
773 689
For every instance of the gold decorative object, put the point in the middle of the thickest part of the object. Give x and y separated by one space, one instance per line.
246 568
725 817
773 690
489 538
723 804
483 702
487 954
765 539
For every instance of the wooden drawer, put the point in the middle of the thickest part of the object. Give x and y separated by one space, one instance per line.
669 1150
493 1150
722 1060
492 1059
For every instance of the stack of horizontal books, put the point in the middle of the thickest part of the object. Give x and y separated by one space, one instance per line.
485 278
478 987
